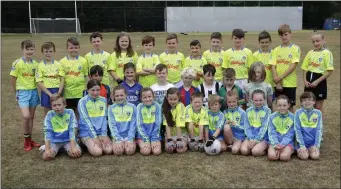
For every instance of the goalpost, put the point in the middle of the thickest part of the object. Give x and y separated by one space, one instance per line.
55 25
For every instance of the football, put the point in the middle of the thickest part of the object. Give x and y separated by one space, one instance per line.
214 149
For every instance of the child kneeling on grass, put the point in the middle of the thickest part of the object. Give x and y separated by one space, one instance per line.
59 130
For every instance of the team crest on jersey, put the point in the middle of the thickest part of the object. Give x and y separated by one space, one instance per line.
237 118
128 113
79 67
201 66
33 70
220 60
67 120
287 127
290 55
37 75
57 70
153 113
101 108
178 61
187 116
244 57
314 119
320 59
104 61
261 118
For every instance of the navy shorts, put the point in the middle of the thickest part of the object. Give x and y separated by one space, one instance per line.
290 92
45 99
72 103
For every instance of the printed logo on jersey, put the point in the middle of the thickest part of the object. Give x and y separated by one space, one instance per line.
33 70
104 61
79 67
261 118
237 118
320 59
67 120
37 75
244 57
178 61
153 113
101 108
290 55
315 119
220 60
128 113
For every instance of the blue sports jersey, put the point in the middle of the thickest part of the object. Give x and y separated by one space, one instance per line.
185 96
256 123
281 129
237 116
133 93
148 122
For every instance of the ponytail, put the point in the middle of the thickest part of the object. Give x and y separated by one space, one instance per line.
166 107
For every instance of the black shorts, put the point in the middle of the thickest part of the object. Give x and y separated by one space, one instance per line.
72 103
320 91
290 92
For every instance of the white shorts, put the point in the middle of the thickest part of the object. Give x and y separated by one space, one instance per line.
241 83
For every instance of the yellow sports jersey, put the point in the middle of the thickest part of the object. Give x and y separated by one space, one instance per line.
117 64
25 73
144 62
103 59
217 60
178 114
239 60
50 74
197 119
318 61
260 56
197 65
75 73
175 64
282 57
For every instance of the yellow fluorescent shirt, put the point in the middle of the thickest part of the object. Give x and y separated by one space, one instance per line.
178 114
75 73
239 60
217 60
200 118
175 64
103 59
50 74
150 62
117 64
263 57
25 73
318 61
197 65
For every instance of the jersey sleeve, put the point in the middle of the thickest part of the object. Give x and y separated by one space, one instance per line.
329 60
47 127
264 126
85 67
305 63
104 129
139 124
72 125
15 69
158 120
221 122
249 58
180 116
187 63
139 66
156 60
273 57
298 130
39 74
132 126
113 62
273 136
83 114
319 130
113 126
247 127
61 72
204 117
135 57
296 55
269 90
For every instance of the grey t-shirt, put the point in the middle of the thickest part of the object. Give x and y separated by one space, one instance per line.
252 86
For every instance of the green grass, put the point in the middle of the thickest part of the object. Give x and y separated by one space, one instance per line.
197 170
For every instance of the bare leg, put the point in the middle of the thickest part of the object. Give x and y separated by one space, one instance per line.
236 146
285 154
259 149
244 149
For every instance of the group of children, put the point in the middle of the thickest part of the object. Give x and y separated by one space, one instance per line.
187 103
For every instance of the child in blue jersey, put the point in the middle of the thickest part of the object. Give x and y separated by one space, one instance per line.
174 120
93 121
281 131
256 126
148 123
187 76
235 117
59 130
214 130
308 128
24 85
122 123
132 87
97 72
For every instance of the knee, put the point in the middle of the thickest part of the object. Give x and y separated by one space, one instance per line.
223 147
157 152
256 152
284 157
117 151
180 151
145 151
95 152
27 117
130 152
272 157
303 156
315 156
107 151
244 151
235 150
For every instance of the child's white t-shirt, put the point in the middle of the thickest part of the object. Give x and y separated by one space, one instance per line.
160 91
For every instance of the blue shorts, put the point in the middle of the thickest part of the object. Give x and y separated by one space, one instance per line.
27 98
219 137
45 99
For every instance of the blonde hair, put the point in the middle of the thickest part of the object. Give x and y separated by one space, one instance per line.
322 36
189 72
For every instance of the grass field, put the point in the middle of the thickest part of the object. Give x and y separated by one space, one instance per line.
27 169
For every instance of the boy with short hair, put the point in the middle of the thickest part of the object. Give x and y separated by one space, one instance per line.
145 67
215 55
76 70
239 58
210 86
196 61
173 59
197 119
24 86
308 126
98 56
187 76
160 88
284 61
96 72
229 76
59 130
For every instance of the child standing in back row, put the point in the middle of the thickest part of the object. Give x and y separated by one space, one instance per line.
50 76
317 66
173 59
284 61
24 86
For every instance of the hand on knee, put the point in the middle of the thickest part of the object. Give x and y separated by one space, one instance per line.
118 152
272 157
145 150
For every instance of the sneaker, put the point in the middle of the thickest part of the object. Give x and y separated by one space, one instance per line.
193 146
27 145
34 144
41 149
201 147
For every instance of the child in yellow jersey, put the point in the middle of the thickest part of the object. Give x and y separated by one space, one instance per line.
284 61
173 59
215 55
174 119
24 86
263 54
147 62
76 71
50 76
98 56
196 61
317 66
239 58
123 53
197 119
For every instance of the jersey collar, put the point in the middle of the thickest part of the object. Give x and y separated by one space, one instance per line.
92 52
144 55
291 44
166 51
45 61
240 48
195 59
215 52
67 56
260 50
25 60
